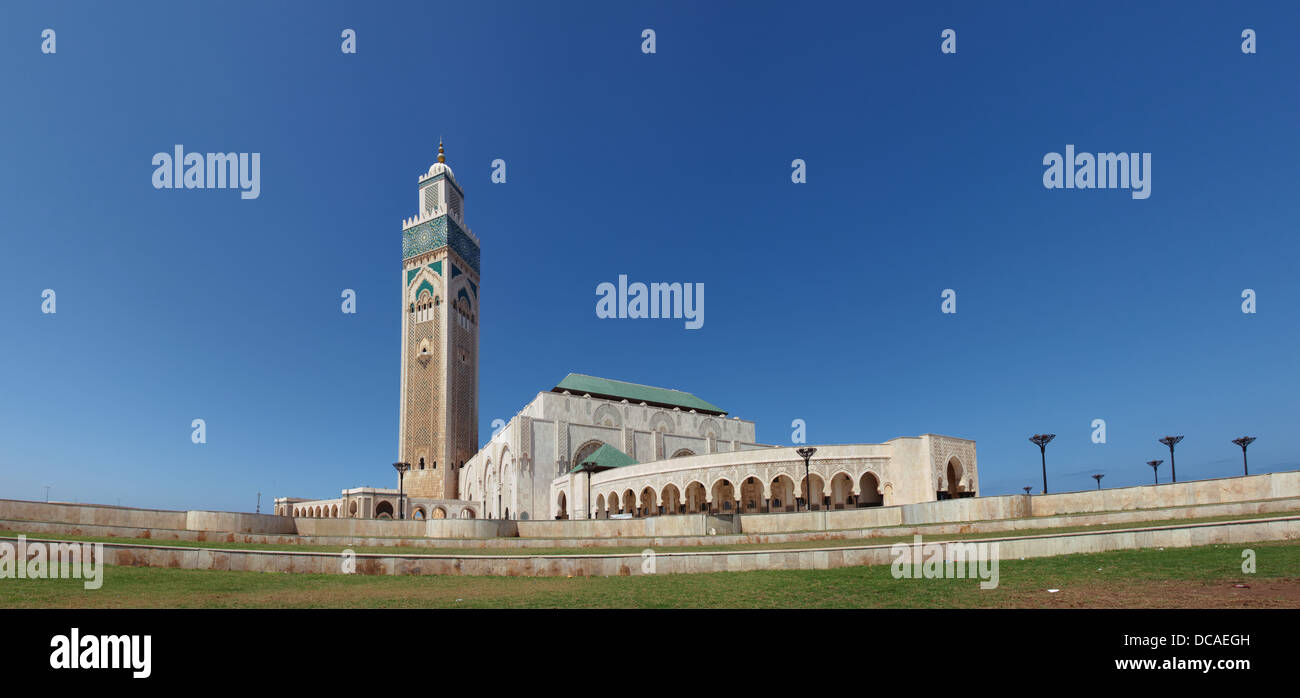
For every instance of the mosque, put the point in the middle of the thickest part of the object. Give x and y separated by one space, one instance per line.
592 447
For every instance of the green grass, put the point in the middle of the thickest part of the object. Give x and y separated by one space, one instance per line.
1152 577
634 550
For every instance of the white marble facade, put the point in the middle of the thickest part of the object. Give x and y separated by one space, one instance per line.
512 475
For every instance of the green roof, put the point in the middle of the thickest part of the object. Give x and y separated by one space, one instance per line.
604 458
580 384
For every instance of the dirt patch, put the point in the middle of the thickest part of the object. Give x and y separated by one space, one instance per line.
1269 593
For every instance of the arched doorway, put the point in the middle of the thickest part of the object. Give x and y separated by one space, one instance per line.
696 497
782 494
841 491
724 497
561 507
751 496
954 478
817 500
384 510
670 499
508 484
869 488
648 507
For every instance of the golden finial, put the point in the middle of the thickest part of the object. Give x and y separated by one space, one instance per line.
442 157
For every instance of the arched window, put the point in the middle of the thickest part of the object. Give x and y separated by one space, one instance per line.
424 305
586 450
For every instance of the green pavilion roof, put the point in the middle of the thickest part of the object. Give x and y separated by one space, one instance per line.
604 458
580 384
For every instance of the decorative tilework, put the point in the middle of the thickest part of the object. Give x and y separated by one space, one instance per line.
412 273
440 232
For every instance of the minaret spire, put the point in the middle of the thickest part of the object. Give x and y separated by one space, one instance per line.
442 156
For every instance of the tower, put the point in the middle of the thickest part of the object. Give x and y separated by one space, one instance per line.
440 316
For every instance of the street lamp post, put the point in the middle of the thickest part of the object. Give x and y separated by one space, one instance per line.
1155 465
590 469
401 493
1172 441
806 453
1041 440
1098 478
1243 442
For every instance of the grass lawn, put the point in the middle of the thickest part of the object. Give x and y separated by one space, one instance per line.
1203 577
633 550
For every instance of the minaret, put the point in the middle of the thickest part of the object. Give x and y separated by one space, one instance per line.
440 316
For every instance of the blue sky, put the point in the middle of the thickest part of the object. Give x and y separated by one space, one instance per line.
822 299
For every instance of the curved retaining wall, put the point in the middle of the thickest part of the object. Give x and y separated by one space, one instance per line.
470 528
654 526
384 528
1140 516
91 514
871 517
1146 497
238 523
1186 535
1176 494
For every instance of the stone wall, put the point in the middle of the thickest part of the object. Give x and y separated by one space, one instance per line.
1228 489
91 514
870 517
661 526
238 523
1010 547
470 528
1272 486
384 528
973 509
1138 517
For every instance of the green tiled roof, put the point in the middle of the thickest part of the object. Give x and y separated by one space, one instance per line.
580 384
604 458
